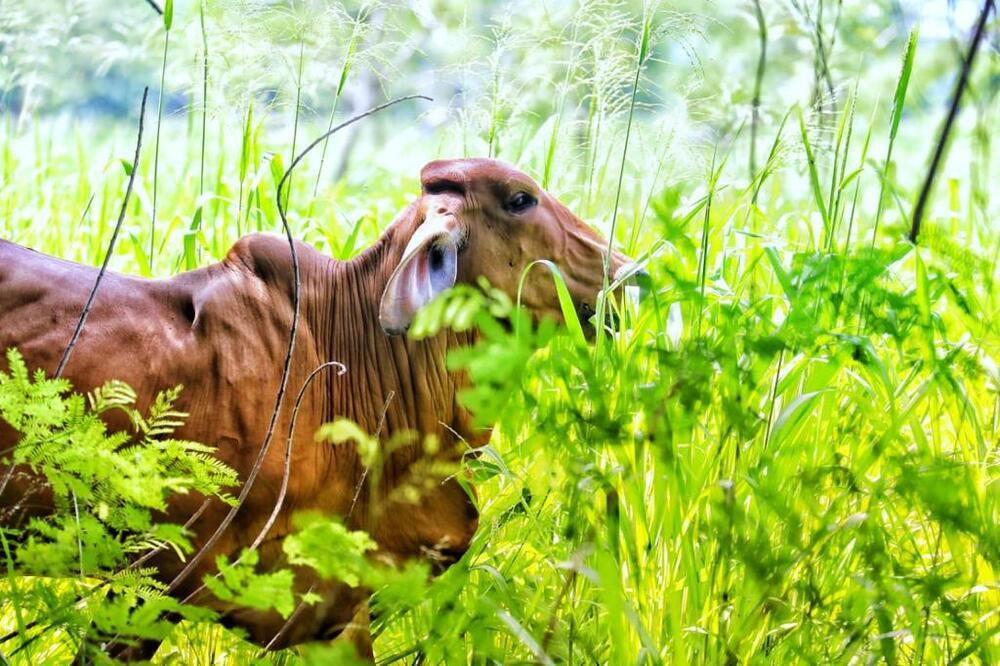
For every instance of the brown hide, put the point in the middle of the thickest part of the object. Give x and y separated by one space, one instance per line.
222 332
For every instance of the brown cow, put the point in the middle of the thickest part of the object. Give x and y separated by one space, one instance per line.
222 332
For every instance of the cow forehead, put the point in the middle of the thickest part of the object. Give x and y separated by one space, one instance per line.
473 171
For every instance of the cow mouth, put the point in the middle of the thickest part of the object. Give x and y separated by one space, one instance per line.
440 558
630 285
587 313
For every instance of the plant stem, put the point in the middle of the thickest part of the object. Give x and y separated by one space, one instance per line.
344 72
204 97
298 108
703 256
111 245
758 83
956 99
156 150
641 53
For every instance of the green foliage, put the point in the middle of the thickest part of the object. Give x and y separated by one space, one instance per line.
113 481
786 454
337 553
330 549
240 584
345 430
337 652
459 308
497 365
106 490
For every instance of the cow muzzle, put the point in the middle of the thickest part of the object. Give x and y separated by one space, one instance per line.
627 288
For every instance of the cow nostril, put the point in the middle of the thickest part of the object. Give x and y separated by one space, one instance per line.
436 258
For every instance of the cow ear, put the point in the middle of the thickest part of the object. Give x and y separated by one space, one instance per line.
428 267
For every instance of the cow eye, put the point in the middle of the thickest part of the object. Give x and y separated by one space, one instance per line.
521 202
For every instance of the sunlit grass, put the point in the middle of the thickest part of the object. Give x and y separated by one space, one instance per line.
789 453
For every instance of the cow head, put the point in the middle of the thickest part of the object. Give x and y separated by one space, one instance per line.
484 218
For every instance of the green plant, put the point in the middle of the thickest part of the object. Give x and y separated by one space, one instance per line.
105 490
785 454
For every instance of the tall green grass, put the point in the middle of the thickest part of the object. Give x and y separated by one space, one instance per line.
787 454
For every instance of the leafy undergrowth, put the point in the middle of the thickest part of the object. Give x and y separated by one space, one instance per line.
786 453
77 572
811 477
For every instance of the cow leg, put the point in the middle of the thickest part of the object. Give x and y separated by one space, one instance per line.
359 633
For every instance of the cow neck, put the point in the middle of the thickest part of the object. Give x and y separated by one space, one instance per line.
392 384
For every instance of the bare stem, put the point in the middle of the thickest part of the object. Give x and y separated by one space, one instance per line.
111 245
956 99
758 83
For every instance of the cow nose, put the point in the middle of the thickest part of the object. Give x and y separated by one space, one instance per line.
449 551
453 554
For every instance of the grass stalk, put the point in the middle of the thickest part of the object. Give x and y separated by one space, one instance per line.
493 132
757 85
245 150
298 107
898 101
345 71
168 16
643 46
703 253
837 180
204 98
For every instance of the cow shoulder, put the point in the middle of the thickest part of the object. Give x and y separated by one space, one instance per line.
240 313
268 257
259 272
265 255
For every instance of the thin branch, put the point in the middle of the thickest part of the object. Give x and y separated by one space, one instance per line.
364 474
135 564
956 99
341 369
156 7
111 246
288 623
550 628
